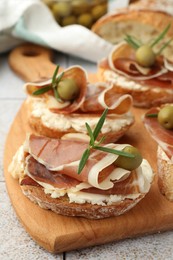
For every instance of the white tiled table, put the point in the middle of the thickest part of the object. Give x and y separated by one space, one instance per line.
15 243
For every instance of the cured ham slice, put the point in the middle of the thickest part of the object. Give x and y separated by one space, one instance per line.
161 135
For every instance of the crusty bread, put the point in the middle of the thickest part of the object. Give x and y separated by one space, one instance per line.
38 125
62 206
143 24
162 5
165 174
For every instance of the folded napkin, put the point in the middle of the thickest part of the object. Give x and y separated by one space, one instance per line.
32 21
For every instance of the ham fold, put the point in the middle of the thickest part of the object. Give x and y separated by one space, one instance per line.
162 136
93 98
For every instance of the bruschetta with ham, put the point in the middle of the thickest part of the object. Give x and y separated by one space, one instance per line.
47 173
164 138
149 86
54 117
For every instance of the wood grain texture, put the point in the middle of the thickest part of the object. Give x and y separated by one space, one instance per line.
58 233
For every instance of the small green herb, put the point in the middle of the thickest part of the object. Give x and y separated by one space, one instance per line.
42 90
161 35
53 85
96 145
136 43
152 115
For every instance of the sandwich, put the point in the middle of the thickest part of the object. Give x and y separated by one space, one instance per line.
60 106
141 70
159 123
82 178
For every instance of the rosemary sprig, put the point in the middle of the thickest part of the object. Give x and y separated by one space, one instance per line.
52 86
96 145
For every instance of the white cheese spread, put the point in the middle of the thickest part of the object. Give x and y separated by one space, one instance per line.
64 122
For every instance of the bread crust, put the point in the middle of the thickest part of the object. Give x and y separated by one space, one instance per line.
165 174
63 207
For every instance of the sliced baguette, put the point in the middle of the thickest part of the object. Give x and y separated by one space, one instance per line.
165 174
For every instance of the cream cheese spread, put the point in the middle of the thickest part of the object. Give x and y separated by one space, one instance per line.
63 122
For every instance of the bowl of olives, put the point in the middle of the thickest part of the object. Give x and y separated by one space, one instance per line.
83 12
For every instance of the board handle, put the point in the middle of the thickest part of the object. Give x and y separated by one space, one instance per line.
32 62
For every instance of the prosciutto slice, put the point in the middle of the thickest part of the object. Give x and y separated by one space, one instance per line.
93 98
161 135
53 163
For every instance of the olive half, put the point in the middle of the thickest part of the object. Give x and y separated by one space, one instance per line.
68 89
127 162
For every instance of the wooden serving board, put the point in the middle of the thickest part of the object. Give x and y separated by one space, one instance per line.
58 233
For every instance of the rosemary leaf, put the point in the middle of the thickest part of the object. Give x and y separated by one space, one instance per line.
54 76
57 95
101 140
152 115
114 151
83 160
41 90
133 40
164 46
160 36
100 124
131 43
90 134
59 78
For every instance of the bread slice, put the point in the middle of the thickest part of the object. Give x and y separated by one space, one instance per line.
161 5
63 207
165 174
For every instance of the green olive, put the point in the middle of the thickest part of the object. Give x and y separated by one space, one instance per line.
61 9
98 11
71 19
80 6
68 89
127 162
165 117
85 20
145 56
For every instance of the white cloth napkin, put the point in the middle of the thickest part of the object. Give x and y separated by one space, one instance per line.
32 21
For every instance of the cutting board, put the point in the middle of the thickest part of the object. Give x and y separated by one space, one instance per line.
58 233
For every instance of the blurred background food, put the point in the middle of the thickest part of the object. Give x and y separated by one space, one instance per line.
83 12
